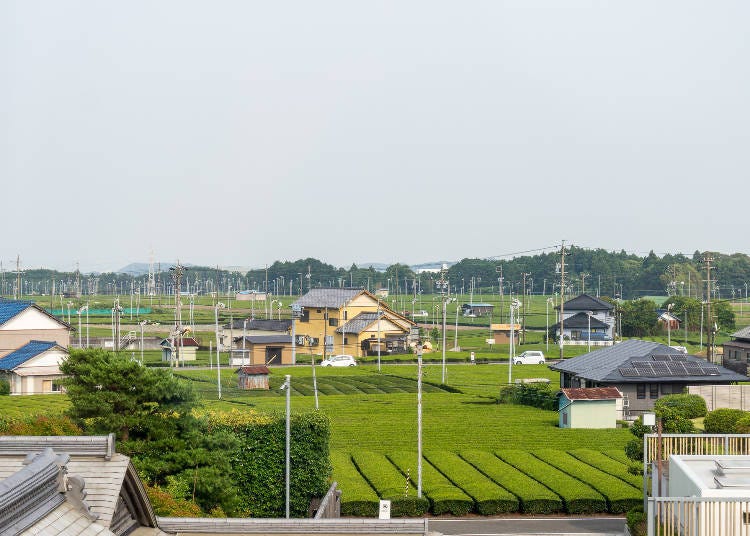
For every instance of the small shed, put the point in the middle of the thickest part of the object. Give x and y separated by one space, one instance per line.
253 377
501 333
592 407
477 309
262 350
188 348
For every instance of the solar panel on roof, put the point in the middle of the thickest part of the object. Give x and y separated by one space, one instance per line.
661 357
679 357
677 369
661 369
629 372
644 368
710 371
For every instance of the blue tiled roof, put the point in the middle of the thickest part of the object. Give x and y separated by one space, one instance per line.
24 353
10 308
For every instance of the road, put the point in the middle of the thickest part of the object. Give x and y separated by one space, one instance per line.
547 526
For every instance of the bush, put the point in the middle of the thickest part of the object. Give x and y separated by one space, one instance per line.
489 498
723 420
535 498
536 395
687 406
579 498
390 484
743 425
634 449
444 497
636 521
39 425
4 387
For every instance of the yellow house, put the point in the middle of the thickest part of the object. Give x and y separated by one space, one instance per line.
351 321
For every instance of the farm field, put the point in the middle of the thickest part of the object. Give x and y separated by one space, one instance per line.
479 456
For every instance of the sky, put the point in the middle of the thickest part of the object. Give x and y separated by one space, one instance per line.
238 133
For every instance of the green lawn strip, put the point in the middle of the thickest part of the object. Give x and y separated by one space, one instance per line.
344 386
357 497
620 495
23 406
604 463
444 496
390 484
533 496
489 498
579 498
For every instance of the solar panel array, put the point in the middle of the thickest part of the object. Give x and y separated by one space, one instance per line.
665 365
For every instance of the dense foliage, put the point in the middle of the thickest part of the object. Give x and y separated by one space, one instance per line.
529 394
723 420
38 425
4 387
686 405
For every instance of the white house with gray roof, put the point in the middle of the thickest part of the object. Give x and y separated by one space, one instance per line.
577 325
643 371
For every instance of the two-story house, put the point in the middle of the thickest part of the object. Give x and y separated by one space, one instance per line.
351 321
22 322
586 318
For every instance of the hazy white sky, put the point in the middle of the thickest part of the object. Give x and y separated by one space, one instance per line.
239 133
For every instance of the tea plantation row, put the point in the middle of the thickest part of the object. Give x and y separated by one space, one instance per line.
546 481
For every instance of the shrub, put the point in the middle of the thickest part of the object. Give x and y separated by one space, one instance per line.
608 465
620 495
743 425
357 497
687 406
390 484
634 449
444 497
636 521
489 498
4 387
533 496
167 506
580 498
39 425
723 420
538 396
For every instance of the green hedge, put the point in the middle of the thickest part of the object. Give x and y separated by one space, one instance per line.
489 498
723 420
259 463
579 498
445 498
618 456
533 496
620 495
390 484
688 406
357 497
608 465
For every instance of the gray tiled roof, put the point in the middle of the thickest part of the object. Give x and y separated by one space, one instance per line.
744 333
266 339
584 302
580 320
603 365
334 298
262 324
359 323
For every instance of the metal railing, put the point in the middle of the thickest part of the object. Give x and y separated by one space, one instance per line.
698 516
330 506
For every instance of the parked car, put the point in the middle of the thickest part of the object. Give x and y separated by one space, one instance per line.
339 361
421 314
529 357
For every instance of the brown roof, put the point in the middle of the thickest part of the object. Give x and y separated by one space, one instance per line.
254 370
592 393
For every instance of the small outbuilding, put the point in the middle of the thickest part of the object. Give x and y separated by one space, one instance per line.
501 333
477 309
262 350
253 377
188 348
593 407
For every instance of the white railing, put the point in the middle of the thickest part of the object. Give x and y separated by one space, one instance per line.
698 516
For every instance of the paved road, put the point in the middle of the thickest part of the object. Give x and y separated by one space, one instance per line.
584 526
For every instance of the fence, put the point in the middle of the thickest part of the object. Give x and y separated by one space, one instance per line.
698 516
723 396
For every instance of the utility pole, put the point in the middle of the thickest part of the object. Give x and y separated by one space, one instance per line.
177 273
443 283
707 260
17 293
562 298
523 314
584 275
499 269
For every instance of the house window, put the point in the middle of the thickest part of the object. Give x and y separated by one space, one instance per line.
305 316
56 387
346 315
565 417
641 390
346 340
653 390
333 322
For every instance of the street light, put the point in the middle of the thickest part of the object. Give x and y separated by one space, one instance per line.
514 305
419 417
549 300
142 323
669 324
218 306
287 387
588 315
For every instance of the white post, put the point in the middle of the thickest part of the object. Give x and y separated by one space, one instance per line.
79 329
419 418
288 434
218 344
445 303
315 380
378 321
244 334
588 315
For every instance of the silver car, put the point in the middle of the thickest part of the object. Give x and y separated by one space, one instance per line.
342 360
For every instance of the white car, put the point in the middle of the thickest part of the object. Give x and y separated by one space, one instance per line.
529 357
339 361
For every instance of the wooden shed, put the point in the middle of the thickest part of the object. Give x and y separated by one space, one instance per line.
253 377
501 333
593 407
262 350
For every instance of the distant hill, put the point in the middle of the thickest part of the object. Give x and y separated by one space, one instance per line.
141 268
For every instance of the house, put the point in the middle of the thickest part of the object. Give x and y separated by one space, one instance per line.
34 368
501 333
325 326
578 328
594 407
253 377
262 350
22 322
254 326
188 348
477 309
643 371
250 295
737 351
666 320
